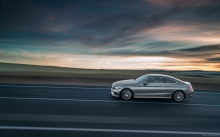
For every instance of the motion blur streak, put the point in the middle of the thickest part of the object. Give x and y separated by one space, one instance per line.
107 130
107 101
114 34
92 112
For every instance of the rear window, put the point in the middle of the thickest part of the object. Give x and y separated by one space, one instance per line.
166 80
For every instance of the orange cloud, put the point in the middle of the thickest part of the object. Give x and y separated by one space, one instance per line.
106 62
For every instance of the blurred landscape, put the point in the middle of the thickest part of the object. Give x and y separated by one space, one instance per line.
59 59
49 75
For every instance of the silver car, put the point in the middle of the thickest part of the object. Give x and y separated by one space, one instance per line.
153 86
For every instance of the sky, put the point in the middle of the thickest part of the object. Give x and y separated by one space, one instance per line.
112 34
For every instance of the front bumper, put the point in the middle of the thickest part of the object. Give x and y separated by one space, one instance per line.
115 92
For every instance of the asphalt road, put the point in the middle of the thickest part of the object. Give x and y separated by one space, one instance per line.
91 111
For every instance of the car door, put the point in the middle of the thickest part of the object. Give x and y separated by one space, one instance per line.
152 89
170 86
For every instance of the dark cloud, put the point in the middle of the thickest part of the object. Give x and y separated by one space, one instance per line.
197 52
214 59
107 27
98 22
202 49
88 22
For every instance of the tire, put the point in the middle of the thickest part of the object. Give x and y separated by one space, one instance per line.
178 96
126 94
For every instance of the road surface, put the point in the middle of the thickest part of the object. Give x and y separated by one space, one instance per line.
28 110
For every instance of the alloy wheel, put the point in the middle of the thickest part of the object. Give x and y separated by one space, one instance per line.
126 94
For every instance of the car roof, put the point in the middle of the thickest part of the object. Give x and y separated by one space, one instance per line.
162 75
157 75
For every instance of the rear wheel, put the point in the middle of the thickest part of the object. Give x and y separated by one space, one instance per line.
178 96
126 94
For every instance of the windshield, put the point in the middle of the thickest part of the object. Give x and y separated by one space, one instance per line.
141 79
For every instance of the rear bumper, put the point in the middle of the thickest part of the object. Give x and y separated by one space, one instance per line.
189 94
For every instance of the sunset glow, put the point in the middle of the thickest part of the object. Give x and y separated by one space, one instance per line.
142 34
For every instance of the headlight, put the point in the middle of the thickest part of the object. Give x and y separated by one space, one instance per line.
117 87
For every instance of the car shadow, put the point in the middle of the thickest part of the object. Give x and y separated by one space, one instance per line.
150 100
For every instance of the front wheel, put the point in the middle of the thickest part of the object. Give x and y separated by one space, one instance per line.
126 94
178 96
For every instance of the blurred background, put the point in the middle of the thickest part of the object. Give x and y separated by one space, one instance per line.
83 42
59 58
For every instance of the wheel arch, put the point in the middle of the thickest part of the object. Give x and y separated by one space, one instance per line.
127 89
181 91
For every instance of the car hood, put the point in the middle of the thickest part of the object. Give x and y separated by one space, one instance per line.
124 82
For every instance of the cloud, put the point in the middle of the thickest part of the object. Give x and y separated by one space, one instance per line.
131 28
97 23
153 50
202 48
214 59
76 20
198 52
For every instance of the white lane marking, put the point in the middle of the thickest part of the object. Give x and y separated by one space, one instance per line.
107 130
107 101
85 88
51 87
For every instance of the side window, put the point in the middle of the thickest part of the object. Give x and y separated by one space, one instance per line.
151 80
166 80
158 80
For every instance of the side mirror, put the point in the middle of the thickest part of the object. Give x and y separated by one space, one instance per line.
145 83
